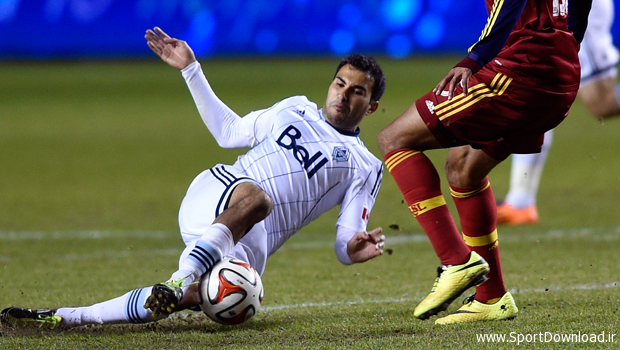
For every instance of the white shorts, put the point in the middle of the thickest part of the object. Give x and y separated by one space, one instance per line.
207 197
597 55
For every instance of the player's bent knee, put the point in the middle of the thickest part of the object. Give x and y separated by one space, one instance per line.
249 198
466 167
263 204
458 167
259 202
386 141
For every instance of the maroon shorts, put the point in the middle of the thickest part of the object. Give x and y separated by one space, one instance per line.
500 115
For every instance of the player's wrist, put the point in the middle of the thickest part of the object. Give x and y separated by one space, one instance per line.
190 67
470 63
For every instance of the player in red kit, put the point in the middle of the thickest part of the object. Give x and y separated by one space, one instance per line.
518 81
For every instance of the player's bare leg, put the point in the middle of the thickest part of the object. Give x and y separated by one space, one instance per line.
248 205
407 131
402 143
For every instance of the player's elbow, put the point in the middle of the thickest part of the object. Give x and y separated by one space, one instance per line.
224 143
342 253
345 260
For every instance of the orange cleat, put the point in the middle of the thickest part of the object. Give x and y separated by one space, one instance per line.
509 215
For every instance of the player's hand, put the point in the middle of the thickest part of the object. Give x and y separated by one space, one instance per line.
364 246
457 75
175 52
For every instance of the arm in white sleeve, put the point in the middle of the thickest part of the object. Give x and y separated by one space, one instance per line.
355 210
343 237
228 128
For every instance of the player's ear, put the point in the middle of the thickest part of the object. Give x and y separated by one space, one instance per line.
372 108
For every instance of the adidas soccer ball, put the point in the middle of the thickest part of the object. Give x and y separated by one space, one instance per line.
232 292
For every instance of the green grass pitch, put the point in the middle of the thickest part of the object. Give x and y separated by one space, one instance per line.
95 158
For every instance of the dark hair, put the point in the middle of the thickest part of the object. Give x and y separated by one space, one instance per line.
372 69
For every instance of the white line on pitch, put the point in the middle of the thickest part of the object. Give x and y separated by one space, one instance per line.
123 254
40 235
605 234
592 233
596 286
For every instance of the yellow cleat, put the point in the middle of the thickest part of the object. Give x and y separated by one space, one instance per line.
473 310
509 215
451 282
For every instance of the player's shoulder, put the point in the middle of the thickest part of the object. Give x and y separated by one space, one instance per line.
298 100
373 161
366 159
368 167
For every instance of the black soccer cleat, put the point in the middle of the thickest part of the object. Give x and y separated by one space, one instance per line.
165 298
14 316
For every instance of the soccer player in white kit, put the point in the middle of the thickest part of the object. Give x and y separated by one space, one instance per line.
598 90
303 162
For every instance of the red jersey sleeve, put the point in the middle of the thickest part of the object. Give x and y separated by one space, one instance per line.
503 16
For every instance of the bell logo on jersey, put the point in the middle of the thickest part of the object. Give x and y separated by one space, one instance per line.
365 214
341 154
288 139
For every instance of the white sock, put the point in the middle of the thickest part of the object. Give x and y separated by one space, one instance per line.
525 175
215 243
128 308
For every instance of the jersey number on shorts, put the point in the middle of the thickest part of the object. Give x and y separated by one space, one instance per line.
288 139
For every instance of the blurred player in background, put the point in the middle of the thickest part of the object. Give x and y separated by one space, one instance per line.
303 161
599 91
517 82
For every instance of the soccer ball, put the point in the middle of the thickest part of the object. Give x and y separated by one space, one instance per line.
231 291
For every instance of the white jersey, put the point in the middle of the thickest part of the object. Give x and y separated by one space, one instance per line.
597 54
306 165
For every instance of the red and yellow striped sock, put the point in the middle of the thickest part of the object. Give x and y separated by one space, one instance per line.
478 214
420 185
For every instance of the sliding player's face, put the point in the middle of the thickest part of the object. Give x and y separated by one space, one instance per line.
348 99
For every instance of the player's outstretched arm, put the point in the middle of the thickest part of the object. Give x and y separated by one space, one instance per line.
223 123
364 246
175 52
